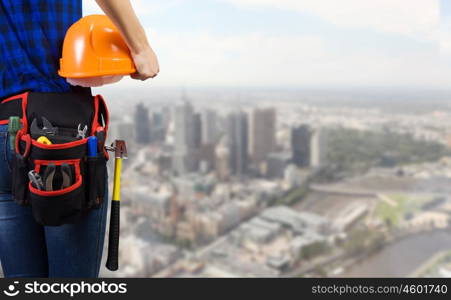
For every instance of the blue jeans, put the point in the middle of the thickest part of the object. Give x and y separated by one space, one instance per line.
28 249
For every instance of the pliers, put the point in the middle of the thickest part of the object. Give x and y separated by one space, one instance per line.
49 175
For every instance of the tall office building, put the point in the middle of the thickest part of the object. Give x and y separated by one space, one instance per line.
237 142
262 133
157 129
301 137
207 158
142 124
209 127
166 116
157 119
319 147
197 130
184 160
222 157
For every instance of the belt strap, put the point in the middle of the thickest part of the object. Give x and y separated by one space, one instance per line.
11 106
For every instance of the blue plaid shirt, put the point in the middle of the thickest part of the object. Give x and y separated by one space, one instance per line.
31 38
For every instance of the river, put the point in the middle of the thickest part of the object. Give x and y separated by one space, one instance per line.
402 257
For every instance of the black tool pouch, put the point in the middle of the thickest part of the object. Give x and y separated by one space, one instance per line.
71 181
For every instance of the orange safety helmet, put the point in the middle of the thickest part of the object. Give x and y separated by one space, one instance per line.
94 49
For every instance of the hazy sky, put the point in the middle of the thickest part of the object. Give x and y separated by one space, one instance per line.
298 43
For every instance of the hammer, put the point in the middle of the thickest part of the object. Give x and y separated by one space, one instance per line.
120 151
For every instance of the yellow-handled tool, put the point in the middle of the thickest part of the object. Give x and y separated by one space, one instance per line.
44 140
112 262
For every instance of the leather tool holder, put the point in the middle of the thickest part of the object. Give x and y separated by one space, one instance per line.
54 203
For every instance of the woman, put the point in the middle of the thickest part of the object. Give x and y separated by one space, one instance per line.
31 36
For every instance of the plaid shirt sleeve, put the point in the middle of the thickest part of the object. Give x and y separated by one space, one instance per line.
31 37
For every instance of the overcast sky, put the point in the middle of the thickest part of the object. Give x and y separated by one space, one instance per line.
298 43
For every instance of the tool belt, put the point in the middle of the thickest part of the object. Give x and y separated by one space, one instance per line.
52 170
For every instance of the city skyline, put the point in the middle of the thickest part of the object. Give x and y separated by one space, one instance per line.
327 181
288 138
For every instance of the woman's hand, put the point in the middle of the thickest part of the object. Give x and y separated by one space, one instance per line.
146 63
123 16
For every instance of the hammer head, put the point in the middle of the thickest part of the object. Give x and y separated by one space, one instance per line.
120 149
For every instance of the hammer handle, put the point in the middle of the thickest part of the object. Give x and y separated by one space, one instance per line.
112 262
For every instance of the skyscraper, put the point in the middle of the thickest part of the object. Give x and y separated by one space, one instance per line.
157 132
318 152
263 133
142 124
208 139
184 159
197 130
157 119
222 164
209 127
301 137
237 142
